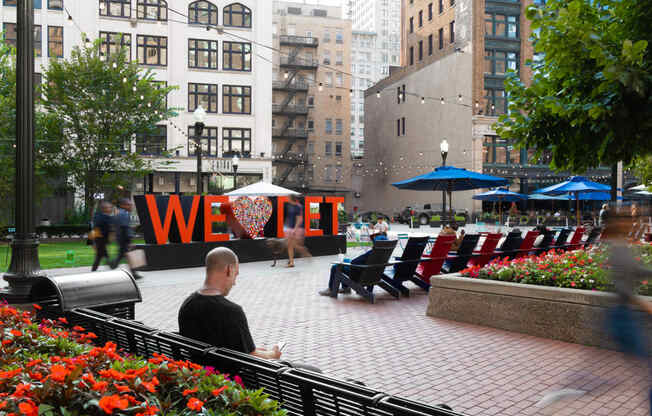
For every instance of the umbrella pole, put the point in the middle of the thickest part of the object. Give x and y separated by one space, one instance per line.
577 198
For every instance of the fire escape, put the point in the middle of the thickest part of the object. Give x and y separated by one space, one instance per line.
294 86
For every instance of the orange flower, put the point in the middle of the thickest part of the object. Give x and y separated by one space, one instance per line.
195 404
22 389
110 403
63 320
217 392
32 363
3 404
100 386
121 389
16 333
189 391
9 374
58 373
37 307
78 328
150 385
35 376
28 408
6 341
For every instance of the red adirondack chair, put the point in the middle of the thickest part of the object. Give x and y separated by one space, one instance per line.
576 240
438 253
527 244
486 252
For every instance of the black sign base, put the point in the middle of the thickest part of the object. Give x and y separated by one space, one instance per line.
178 256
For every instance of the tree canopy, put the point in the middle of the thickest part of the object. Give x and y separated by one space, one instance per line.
102 103
590 99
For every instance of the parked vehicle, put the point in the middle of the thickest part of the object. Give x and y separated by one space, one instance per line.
372 216
426 214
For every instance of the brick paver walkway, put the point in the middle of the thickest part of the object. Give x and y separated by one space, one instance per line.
392 346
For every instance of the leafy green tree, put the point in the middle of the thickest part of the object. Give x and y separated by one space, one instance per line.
590 100
101 104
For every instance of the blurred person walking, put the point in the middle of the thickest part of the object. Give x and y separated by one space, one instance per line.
102 222
294 229
124 233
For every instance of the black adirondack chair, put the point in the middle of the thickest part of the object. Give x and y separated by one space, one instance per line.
363 277
406 270
457 260
511 244
593 236
562 238
548 239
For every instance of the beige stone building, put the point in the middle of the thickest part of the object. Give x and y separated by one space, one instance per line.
455 57
311 99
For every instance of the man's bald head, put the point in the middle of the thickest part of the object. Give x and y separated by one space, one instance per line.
219 258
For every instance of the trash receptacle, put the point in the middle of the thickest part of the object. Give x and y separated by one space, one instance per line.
113 292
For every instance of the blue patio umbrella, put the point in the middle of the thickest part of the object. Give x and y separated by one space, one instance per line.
450 178
500 195
574 186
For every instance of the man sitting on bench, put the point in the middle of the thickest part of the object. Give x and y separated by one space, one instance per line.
207 316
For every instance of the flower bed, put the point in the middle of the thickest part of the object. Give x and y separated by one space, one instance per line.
48 369
579 269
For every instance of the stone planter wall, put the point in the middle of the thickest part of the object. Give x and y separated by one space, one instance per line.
563 314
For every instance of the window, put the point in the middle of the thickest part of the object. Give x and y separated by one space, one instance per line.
154 143
339 81
55 4
451 28
338 126
411 55
311 101
441 6
420 18
237 15
403 128
496 101
153 10
420 50
328 147
11 37
208 141
311 125
152 50
329 126
500 25
329 79
202 53
339 37
327 36
411 24
204 95
404 98
338 174
236 141
398 95
441 38
115 8
338 148
159 85
311 148
452 3
430 11
55 41
327 57
339 58
236 56
398 127
329 174
111 42
236 99
430 44
499 62
202 12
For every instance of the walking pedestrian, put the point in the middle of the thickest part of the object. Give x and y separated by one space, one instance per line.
293 229
101 229
124 233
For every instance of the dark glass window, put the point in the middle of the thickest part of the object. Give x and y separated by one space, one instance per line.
38 41
501 25
111 42
55 4
411 55
403 127
115 8
153 10
496 101
420 50
441 6
398 127
236 99
420 18
202 53
236 56
430 44
159 85
11 37
208 141
430 11
154 143
451 28
237 15
152 50
441 38
411 24
202 12
498 62
236 141
55 41
338 148
202 94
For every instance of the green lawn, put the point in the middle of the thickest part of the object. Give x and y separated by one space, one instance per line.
358 244
54 255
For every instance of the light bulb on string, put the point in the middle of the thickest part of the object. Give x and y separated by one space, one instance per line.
442 100
377 94
115 65
286 75
351 92
423 100
459 98
134 88
124 79
70 21
321 86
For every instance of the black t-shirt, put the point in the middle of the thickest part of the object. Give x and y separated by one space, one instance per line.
216 321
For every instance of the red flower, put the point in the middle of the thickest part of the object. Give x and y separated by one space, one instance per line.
78 328
22 389
195 404
189 391
100 386
63 320
573 284
150 410
9 374
217 392
28 408
110 403
58 373
121 389
16 333
238 380
6 341
37 307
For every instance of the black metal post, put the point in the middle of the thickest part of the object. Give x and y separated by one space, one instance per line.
613 182
199 129
235 176
25 268
443 193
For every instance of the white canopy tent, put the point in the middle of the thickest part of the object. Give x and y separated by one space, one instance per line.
641 187
262 189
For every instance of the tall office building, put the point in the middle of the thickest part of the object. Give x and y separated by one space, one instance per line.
311 98
376 47
228 72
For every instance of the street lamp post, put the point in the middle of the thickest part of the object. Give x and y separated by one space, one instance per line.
443 147
25 268
235 162
199 115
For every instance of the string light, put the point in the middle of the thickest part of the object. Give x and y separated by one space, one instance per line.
351 93
459 98
377 94
286 75
321 86
423 100
442 100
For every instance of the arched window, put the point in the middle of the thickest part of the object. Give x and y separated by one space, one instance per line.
153 10
237 15
202 12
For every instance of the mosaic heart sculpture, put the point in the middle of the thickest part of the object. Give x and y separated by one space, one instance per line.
252 214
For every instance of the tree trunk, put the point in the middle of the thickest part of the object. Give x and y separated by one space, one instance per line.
614 182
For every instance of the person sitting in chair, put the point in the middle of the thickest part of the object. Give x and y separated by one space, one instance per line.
380 228
458 241
334 284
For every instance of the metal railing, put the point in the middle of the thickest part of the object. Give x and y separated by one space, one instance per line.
298 40
294 85
290 133
299 61
289 109
291 157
